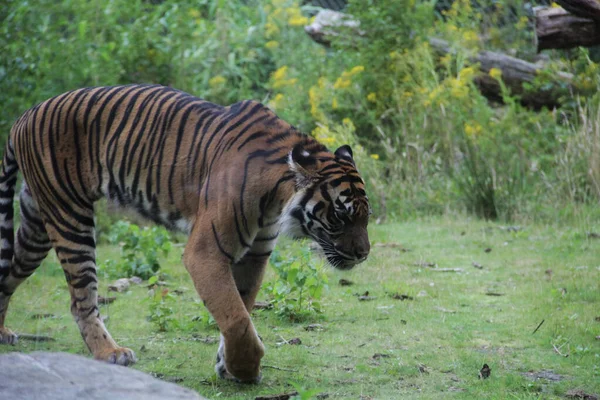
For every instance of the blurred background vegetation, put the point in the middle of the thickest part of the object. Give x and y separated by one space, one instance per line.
427 141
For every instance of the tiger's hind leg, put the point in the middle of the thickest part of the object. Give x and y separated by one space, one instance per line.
73 238
30 248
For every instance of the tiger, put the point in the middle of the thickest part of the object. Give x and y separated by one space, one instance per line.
233 178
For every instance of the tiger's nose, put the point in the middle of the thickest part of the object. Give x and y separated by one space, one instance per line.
361 254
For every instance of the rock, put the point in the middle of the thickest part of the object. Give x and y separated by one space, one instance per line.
136 280
50 376
120 285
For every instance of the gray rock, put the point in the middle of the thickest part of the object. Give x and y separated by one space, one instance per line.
62 376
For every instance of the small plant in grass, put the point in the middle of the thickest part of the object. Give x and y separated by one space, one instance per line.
296 292
140 249
161 312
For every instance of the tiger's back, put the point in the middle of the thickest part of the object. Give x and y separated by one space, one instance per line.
145 146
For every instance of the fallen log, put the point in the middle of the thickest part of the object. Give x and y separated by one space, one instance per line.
582 8
556 28
516 73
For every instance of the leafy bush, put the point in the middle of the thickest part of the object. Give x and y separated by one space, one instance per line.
140 250
161 312
299 285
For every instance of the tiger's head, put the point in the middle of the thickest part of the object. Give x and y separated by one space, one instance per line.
331 205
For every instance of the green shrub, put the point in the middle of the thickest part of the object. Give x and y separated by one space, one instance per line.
160 301
299 285
140 250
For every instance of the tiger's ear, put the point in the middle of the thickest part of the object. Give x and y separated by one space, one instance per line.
303 165
345 153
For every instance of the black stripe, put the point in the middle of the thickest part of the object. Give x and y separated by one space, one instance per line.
226 254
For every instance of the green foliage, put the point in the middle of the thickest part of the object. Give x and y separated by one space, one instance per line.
299 285
425 139
140 250
160 301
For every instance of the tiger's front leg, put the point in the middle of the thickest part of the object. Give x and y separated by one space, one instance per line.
248 274
211 267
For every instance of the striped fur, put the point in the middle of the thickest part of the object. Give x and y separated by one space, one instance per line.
231 177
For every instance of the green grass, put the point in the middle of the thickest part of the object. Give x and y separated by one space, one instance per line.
435 344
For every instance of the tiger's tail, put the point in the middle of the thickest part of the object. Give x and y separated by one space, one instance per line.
8 179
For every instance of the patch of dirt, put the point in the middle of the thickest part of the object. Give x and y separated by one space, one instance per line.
204 339
378 356
314 327
544 374
425 264
398 296
42 316
580 394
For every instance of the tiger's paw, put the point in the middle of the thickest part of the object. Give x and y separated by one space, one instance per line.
244 369
119 356
222 373
8 337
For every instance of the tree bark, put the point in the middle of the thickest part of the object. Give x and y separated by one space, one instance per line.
555 28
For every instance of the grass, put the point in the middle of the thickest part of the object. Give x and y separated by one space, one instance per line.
433 346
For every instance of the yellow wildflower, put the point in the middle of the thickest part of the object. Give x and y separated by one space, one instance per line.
341 83
348 123
280 73
194 13
357 69
372 97
334 103
314 100
470 36
271 29
466 74
495 73
298 21
472 129
284 82
522 24
272 44
375 156
458 89
322 82
216 81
